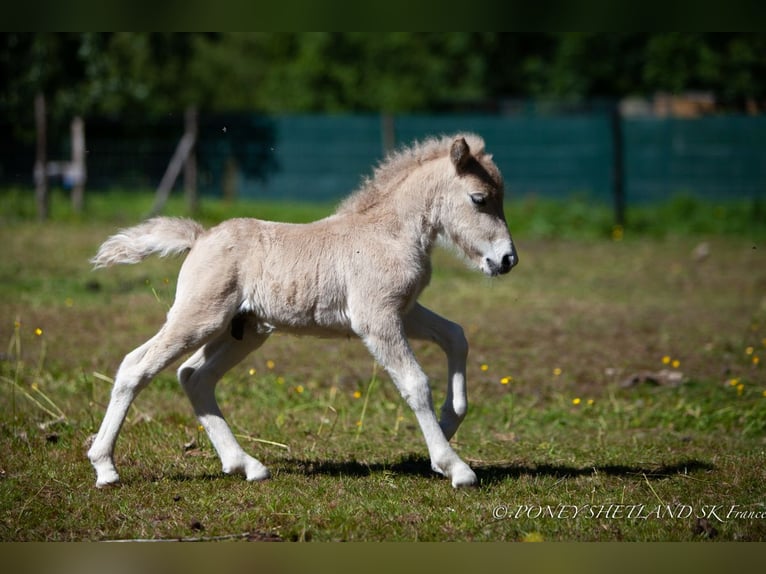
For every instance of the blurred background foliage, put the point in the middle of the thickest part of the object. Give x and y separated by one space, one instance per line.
402 72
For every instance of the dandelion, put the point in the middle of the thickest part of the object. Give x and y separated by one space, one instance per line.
251 371
617 233
533 537
740 389
676 363
756 360
38 331
270 364
591 402
666 360
749 351
505 380
280 380
200 428
734 382
484 367
764 394
763 341
357 394
576 401
359 424
299 389
556 372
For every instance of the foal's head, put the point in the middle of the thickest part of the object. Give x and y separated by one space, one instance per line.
473 217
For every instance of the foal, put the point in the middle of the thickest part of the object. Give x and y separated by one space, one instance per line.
357 272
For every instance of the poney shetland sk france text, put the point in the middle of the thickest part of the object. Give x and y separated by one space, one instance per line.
712 512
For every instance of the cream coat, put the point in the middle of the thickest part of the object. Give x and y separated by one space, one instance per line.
358 272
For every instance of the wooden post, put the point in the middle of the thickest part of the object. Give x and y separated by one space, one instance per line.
76 169
183 150
618 167
42 199
190 165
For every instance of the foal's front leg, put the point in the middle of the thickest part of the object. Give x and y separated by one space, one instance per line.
424 324
389 345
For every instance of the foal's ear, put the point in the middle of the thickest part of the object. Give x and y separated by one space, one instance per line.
460 153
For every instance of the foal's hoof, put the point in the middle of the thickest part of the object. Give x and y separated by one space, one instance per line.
106 474
250 468
464 477
260 475
105 480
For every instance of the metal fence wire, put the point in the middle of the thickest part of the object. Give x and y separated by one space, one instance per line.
324 157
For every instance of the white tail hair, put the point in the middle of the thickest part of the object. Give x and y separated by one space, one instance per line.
160 235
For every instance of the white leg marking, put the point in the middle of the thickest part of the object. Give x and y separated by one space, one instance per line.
199 376
393 352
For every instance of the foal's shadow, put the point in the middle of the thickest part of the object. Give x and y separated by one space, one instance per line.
489 473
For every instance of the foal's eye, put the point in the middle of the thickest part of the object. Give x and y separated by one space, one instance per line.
478 199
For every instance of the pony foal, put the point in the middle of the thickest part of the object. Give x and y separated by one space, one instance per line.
357 272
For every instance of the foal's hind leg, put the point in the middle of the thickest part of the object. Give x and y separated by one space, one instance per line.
138 368
199 376
421 323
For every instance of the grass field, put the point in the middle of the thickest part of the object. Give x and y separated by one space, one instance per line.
616 386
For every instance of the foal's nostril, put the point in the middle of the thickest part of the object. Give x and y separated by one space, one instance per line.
507 262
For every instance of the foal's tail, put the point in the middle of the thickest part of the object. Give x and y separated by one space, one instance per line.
161 235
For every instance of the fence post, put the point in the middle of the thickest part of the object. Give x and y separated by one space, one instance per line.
76 169
618 166
180 157
40 170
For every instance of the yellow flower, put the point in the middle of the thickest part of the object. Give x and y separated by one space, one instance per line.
533 537
764 393
576 401
740 389
357 394
763 341
280 380
38 331
591 402
34 386
505 380
484 367
749 351
734 382
299 389
556 372
676 363
270 364
200 428
252 372
358 423
756 360
69 302
617 232
665 360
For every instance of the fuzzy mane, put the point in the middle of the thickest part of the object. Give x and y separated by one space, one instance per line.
398 165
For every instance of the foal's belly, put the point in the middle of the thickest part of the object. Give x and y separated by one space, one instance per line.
289 310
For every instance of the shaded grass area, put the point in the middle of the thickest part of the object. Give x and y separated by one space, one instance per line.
563 447
577 216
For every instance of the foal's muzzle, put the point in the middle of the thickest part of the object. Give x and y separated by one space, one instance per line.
507 262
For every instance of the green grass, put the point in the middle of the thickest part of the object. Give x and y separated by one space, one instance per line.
580 315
